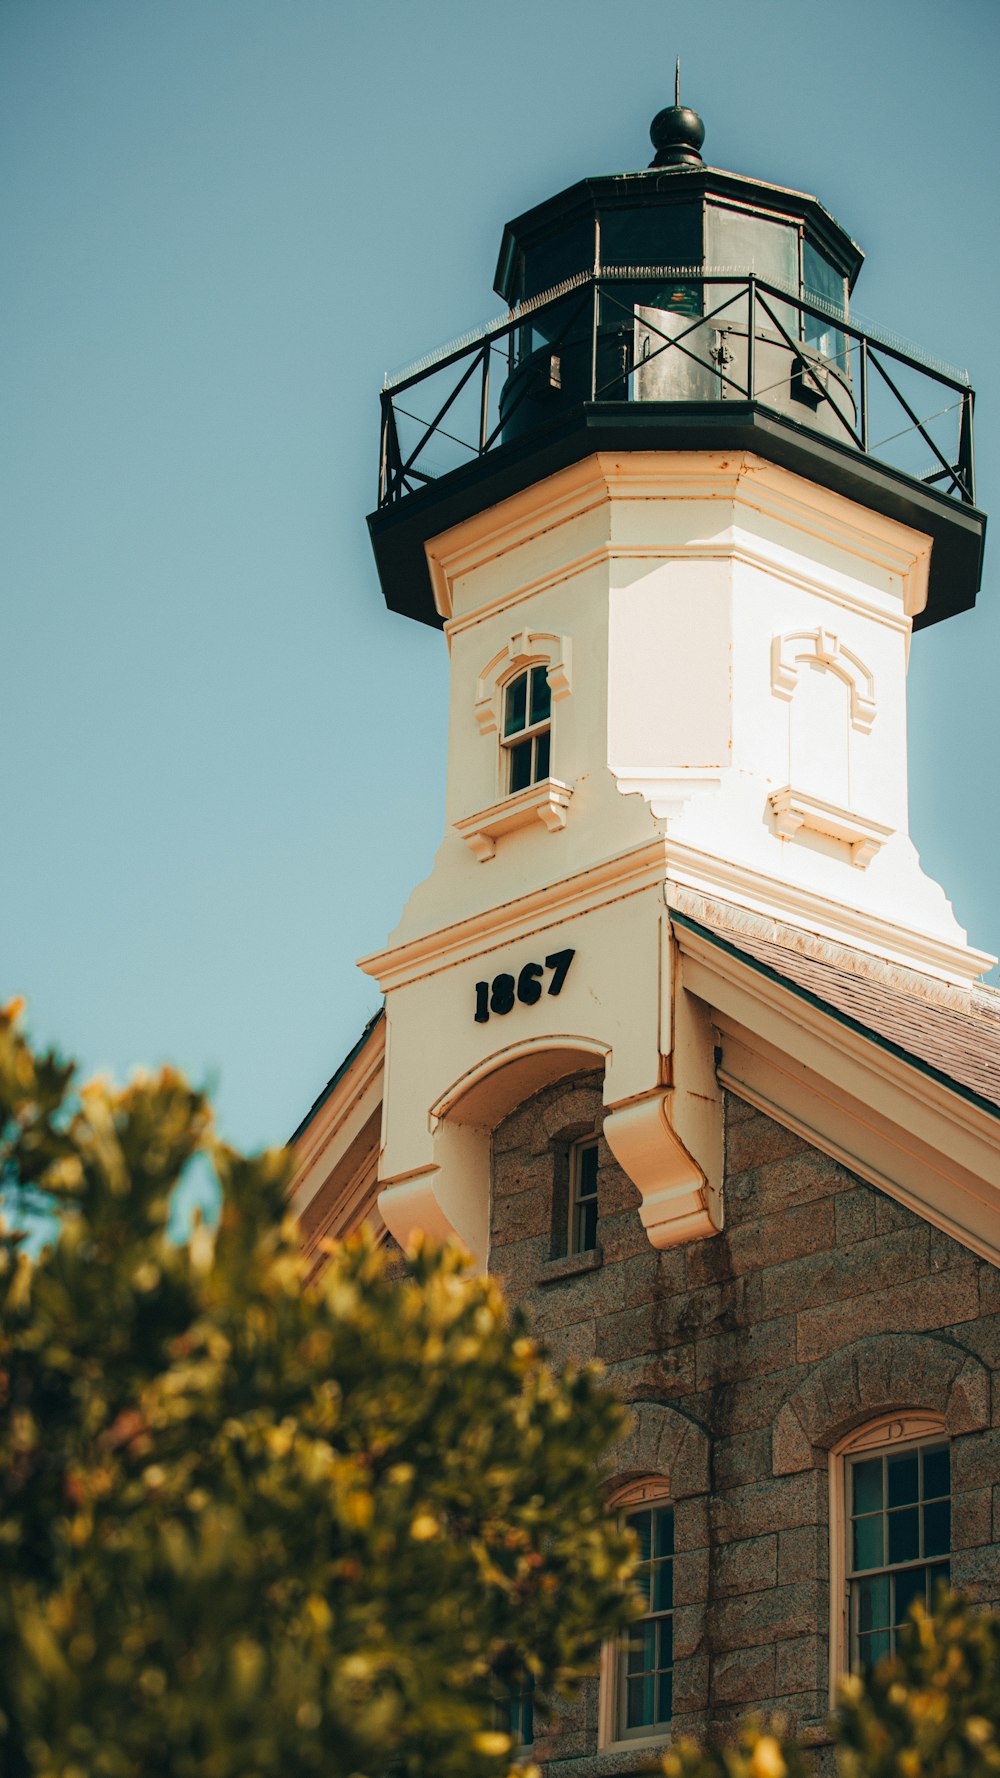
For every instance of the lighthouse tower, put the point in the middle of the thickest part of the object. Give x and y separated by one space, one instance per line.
678 1037
677 588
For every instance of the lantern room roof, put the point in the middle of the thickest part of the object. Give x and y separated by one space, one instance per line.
662 186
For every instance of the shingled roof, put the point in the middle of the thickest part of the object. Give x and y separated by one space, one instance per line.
951 1033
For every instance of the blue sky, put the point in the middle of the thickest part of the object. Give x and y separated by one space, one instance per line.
222 221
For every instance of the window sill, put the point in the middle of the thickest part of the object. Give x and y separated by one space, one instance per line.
570 1265
795 809
546 802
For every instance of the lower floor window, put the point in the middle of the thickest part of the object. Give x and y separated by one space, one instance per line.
646 1660
515 1711
898 1541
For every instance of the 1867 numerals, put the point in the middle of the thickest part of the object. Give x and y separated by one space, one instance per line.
503 991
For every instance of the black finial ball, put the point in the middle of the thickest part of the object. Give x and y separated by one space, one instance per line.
677 134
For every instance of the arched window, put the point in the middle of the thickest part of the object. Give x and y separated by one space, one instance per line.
527 729
638 1669
891 1532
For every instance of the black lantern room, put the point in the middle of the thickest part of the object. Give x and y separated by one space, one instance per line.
677 308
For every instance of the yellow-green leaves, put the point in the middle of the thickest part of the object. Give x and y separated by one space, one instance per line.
250 1526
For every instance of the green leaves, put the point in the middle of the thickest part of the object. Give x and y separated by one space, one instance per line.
250 1525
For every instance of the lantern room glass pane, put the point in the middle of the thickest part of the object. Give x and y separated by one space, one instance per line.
742 241
559 255
823 283
652 234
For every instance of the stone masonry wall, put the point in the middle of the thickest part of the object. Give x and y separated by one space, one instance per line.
821 1305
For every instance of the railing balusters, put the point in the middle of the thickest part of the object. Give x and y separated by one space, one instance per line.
484 405
751 333
394 476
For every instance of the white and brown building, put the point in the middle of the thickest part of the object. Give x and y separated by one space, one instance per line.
679 1039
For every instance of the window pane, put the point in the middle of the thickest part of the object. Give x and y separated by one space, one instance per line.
588 1226
868 1485
587 1172
542 749
515 705
640 1702
903 1479
666 1704
641 1642
666 1642
663 1585
937 1528
872 1648
910 1585
904 1535
937 1471
868 1552
873 1603
541 696
652 235
665 1531
520 766
642 1524
939 1575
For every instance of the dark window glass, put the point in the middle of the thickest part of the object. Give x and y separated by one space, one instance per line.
541 696
904 1535
868 1485
560 255
652 234
583 1228
900 1516
822 282
520 766
646 1698
516 705
903 1486
937 1528
937 1471
527 710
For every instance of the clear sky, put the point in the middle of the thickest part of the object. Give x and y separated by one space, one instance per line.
221 221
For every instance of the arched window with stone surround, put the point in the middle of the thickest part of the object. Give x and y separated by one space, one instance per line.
890 1523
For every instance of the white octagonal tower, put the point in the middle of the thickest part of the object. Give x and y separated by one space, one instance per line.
677 581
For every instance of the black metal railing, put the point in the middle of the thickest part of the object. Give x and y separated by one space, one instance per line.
678 335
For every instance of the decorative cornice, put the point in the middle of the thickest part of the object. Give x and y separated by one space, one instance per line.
629 873
780 900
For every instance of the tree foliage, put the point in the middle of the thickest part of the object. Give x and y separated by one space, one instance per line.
932 1710
250 1524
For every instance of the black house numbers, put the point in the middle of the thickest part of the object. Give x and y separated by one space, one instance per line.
501 994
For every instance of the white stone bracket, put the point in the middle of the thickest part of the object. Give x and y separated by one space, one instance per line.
676 1202
796 809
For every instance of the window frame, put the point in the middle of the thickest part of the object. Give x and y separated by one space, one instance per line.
649 1494
575 1200
531 731
888 1434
